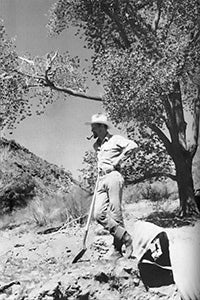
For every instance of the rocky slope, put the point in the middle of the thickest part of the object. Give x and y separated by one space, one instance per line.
24 175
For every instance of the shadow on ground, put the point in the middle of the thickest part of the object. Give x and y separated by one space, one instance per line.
170 219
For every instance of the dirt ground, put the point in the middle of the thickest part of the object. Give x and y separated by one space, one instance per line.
36 263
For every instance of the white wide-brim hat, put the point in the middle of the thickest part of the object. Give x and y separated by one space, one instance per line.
99 119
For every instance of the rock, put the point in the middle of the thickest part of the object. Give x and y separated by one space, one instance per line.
5 245
18 245
46 289
101 277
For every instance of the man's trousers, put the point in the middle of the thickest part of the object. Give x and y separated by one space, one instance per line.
108 203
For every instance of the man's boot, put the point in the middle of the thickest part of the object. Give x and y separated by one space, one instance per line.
127 242
117 252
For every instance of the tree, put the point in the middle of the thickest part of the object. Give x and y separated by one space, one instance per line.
147 54
11 85
29 84
89 171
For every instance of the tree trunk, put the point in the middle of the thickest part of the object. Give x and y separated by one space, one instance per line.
181 153
183 164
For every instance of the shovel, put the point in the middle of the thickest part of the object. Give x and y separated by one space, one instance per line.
84 248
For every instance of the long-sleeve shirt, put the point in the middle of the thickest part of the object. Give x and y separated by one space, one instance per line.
111 151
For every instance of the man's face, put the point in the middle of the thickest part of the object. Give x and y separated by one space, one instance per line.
96 130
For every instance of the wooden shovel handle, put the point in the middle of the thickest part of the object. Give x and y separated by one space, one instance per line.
90 212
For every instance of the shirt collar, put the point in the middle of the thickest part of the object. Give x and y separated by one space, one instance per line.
107 137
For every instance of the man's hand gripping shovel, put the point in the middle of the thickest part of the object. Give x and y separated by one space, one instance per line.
84 248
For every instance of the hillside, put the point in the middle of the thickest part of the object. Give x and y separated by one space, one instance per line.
23 176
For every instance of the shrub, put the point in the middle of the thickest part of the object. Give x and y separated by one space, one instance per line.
17 193
132 194
155 192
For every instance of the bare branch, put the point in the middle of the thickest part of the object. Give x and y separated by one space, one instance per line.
50 59
54 56
29 86
31 62
29 75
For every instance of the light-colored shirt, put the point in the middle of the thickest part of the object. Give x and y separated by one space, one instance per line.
112 149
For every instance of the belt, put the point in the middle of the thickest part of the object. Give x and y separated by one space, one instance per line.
105 172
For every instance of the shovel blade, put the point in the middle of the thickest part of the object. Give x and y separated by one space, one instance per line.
79 255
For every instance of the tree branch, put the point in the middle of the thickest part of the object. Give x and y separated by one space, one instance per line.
179 126
114 17
74 93
168 110
163 138
143 31
31 62
195 125
29 75
194 37
48 83
68 91
167 26
149 176
157 16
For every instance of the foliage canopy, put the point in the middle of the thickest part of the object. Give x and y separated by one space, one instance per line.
147 55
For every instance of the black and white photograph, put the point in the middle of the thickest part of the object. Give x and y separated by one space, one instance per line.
99 150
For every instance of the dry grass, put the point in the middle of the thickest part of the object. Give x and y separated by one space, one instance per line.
15 219
4 154
54 210
59 209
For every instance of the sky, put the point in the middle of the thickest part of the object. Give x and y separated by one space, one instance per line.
59 135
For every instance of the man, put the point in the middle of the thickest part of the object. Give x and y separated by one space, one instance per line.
111 151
